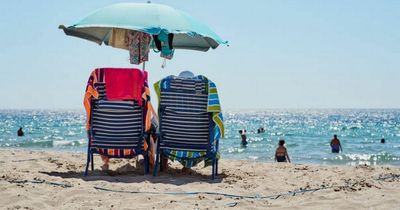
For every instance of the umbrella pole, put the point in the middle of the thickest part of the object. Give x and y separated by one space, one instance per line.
144 66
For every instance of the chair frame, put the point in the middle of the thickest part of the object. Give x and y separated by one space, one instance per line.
214 170
138 150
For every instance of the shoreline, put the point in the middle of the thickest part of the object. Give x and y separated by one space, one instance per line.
48 180
271 161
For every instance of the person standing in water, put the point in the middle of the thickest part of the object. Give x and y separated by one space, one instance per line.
335 145
20 132
281 154
243 136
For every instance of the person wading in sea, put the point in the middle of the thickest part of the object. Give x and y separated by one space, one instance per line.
335 144
20 132
243 136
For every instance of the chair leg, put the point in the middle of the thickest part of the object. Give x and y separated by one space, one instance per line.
92 161
213 167
161 162
216 167
146 163
87 162
212 173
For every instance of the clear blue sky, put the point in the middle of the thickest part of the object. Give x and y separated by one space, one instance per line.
282 54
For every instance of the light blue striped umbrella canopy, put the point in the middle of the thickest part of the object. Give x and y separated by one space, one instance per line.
189 33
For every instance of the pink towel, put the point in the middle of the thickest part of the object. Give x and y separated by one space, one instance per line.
124 83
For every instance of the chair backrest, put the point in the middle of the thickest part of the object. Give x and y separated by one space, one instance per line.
116 124
184 120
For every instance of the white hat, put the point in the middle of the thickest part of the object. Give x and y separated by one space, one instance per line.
186 74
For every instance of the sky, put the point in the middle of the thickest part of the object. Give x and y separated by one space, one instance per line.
281 53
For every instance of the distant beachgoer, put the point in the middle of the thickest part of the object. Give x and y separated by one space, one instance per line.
244 137
260 130
281 154
335 145
20 132
382 141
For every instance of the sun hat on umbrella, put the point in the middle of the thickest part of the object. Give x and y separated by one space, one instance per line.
152 19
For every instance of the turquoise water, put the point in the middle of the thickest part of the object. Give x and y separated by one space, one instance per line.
307 134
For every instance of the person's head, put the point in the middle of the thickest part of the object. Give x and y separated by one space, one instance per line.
20 128
240 132
186 74
281 142
335 136
382 140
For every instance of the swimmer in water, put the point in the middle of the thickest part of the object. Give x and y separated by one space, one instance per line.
260 130
243 136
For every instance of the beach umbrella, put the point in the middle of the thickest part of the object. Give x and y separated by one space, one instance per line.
153 19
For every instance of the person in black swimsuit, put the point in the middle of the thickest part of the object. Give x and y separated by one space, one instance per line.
281 154
20 132
261 130
243 136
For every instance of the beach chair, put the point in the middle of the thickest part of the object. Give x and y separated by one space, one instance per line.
117 102
190 121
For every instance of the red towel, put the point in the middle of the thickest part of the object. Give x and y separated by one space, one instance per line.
124 83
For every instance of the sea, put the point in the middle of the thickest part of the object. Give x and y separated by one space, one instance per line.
307 134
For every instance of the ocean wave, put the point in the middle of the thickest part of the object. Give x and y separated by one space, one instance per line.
363 158
44 143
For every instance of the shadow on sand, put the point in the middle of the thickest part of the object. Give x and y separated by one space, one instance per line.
129 174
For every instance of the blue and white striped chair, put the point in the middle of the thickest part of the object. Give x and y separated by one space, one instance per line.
186 128
117 128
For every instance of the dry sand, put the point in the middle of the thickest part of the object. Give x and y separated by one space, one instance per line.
28 180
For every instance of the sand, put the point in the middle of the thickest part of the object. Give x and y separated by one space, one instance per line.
54 180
